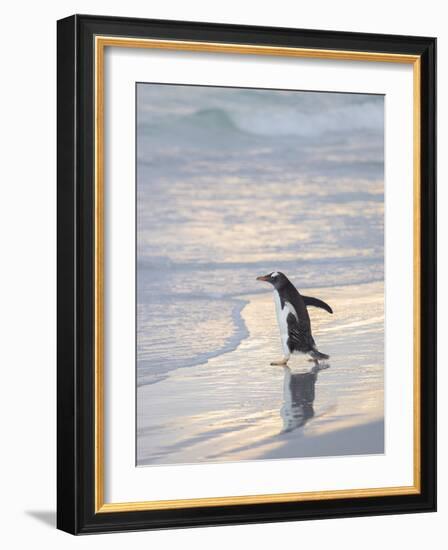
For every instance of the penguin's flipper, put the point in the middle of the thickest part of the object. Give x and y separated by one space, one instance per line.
309 301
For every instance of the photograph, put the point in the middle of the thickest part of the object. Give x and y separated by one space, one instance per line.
259 274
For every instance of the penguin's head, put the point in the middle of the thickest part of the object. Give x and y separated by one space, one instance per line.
276 278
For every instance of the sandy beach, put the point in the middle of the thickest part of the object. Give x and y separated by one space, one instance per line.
236 406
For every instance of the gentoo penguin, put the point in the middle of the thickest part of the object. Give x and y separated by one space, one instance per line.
293 319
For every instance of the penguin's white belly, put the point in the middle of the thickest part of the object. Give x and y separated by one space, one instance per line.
282 316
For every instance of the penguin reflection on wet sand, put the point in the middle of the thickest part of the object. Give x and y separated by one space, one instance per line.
298 397
293 319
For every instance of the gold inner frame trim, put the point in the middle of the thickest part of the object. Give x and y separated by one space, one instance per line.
101 42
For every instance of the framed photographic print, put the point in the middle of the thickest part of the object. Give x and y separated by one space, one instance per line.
246 274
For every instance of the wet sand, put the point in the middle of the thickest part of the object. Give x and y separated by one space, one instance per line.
238 407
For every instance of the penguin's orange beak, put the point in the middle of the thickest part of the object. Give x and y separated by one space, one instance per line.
263 278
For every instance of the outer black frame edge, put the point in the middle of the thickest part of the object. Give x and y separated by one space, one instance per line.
429 272
66 274
76 262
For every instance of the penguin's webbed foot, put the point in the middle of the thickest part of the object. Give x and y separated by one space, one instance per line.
281 362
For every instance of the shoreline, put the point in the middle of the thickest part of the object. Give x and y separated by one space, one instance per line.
236 338
231 344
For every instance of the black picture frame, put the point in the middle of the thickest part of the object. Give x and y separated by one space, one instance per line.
76 512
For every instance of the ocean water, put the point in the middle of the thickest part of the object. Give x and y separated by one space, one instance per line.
234 183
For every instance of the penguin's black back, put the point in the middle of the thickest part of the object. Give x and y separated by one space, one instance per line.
289 293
